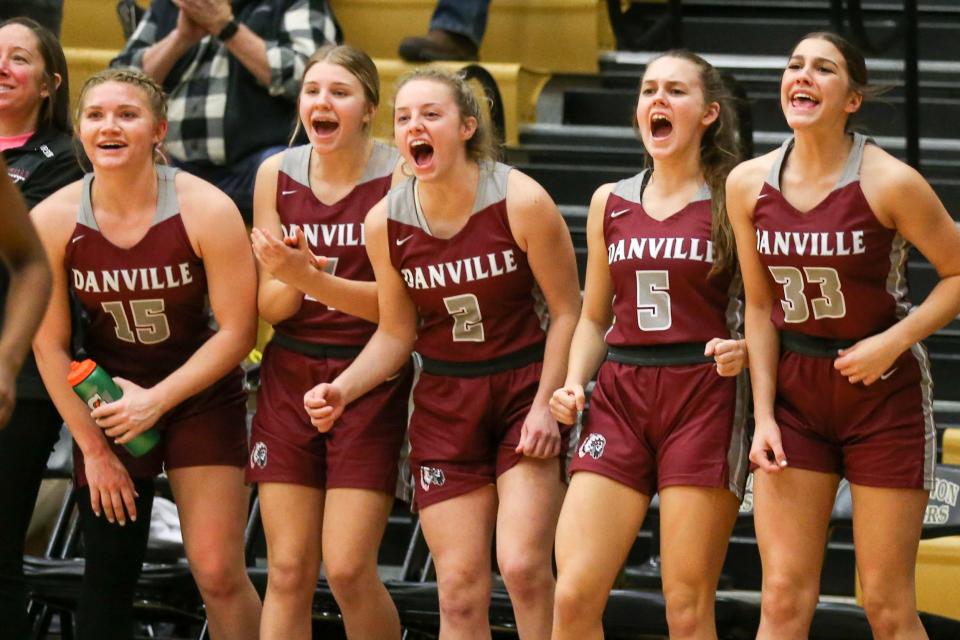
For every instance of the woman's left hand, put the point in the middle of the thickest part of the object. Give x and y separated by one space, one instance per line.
730 355
868 360
540 434
287 260
123 420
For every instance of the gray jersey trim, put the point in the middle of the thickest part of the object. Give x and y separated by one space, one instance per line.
703 193
919 352
773 178
735 306
897 289
85 213
631 189
738 463
851 169
167 205
493 185
401 204
382 162
403 201
295 163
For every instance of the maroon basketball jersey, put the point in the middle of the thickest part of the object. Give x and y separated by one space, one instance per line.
837 271
475 294
147 305
662 294
334 231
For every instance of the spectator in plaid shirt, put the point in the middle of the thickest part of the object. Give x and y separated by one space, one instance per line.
232 73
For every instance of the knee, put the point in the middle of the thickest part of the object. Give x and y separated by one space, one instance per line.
463 597
576 600
217 576
526 577
290 577
348 577
889 615
786 601
689 610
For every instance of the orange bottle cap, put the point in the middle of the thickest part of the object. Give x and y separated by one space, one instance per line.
79 371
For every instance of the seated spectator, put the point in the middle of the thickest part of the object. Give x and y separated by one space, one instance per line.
232 73
456 31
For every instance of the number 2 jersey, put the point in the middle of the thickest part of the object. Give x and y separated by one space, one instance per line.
838 272
336 232
662 293
476 296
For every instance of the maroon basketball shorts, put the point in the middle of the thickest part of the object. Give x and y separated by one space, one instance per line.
208 429
464 431
650 427
878 436
360 452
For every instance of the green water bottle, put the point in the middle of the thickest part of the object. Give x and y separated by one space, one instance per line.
95 387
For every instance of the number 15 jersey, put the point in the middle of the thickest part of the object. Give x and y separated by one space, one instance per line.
147 304
838 272
475 294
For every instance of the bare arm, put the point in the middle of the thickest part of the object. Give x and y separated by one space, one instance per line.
219 234
28 293
288 269
111 488
389 347
763 341
276 300
588 347
278 63
901 198
540 230
159 57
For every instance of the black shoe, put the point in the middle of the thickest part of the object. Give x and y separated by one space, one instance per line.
438 45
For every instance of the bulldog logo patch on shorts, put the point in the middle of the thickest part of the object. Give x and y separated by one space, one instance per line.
431 476
258 457
593 446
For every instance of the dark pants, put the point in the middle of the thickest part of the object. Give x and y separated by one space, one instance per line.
113 559
25 445
49 13
236 180
466 17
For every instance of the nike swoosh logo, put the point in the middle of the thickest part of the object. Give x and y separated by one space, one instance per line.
401 241
762 195
889 373
617 214
75 239
286 193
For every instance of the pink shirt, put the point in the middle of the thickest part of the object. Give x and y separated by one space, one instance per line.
13 142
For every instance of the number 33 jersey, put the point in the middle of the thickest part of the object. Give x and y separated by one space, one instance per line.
662 294
836 272
146 304
475 294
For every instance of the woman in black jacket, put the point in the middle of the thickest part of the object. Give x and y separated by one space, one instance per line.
36 142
